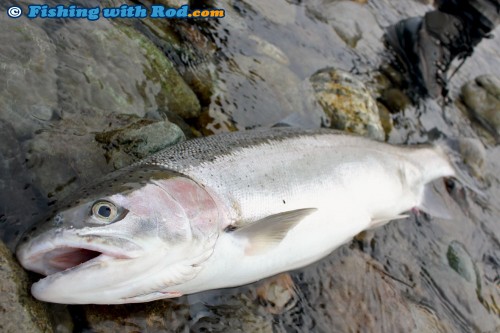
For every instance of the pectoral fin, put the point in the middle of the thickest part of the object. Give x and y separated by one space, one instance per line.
268 232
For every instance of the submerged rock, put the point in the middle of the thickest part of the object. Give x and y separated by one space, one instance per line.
159 316
482 98
136 141
274 11
473 154
353 22
347 102
19 312
271 92
278 293
268 49
59 163
29 64
115 70
239 312
461 262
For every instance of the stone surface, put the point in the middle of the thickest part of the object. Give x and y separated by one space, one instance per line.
268 49
347 102
473 154
482 98
461 262
138 140
19 311
278 293
277 11
160 316
272 92
352 21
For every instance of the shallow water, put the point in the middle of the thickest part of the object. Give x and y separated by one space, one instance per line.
64 81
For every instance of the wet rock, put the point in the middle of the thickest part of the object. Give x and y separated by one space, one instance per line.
354 293
183 43
395 100
239 313
426 320
234 20
140 139
59 163
278 293
353 22
19 312
29 63
473 154
213 121
275 11
173 3
268 85
385 119
268 49
17 195
482 98
159 316
461 262
490 83
116 71
347 102
121 72
201 78
456 290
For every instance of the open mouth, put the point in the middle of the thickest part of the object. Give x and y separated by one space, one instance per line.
64 258
47 258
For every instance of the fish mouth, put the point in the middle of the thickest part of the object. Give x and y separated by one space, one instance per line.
49 255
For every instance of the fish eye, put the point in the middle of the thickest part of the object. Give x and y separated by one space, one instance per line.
104 211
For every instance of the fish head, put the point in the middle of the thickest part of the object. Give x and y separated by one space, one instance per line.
131 235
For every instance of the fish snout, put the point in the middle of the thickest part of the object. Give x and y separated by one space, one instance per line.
59 250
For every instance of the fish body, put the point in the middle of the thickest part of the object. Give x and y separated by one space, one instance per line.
224 211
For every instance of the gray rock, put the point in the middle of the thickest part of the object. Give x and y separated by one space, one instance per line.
161 316
59 162
116 70
268 49
19 312
274 11
473 154
352 21
272 92
278 293
347 102
482 98
239 312
138 140
461 262
28 88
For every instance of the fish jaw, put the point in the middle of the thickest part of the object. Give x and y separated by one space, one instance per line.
59 250
84 268
68 256
108 280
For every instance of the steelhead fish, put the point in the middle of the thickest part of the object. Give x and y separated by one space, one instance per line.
223 211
